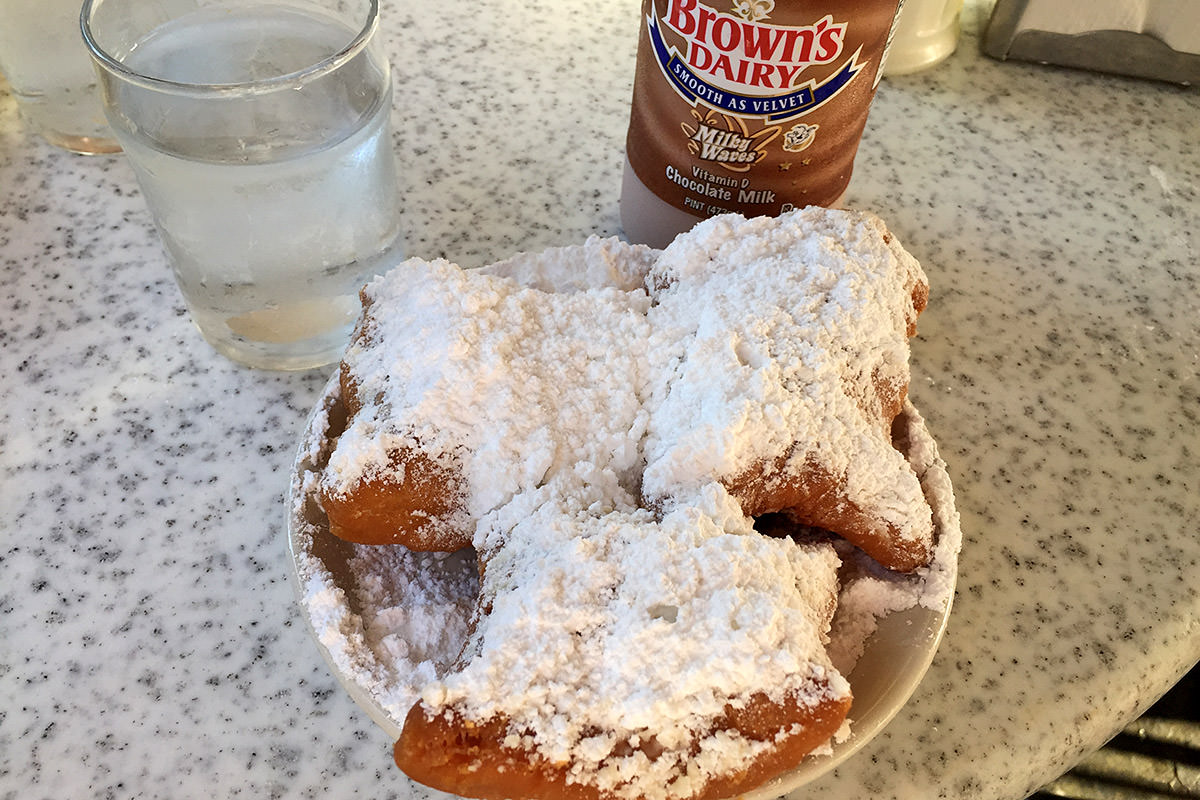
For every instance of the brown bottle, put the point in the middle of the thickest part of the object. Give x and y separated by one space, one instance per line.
753 106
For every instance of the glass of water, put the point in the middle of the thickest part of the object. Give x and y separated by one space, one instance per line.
259 131
51 75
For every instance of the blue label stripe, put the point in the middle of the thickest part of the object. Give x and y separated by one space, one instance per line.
774 108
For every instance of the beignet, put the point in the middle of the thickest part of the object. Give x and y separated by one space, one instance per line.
606 448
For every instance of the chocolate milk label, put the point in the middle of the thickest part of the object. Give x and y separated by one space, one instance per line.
741 66
754 106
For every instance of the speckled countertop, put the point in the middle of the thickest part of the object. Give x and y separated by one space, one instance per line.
149 641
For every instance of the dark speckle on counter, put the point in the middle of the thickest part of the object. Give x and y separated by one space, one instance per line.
150 642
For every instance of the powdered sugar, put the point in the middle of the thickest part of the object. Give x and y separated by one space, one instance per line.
562 421
870 594
746 338
389 620
511 392
778 355
357 608
655 626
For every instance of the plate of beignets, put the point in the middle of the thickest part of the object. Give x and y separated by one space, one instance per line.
613 523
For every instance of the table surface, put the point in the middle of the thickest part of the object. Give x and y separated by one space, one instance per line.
150 645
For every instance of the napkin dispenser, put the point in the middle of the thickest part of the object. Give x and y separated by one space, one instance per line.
1157 39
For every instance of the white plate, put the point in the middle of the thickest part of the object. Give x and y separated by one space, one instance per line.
885 635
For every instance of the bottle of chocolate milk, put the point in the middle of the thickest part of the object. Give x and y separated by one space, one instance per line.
753 106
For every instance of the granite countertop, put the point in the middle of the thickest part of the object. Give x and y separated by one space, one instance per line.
150 644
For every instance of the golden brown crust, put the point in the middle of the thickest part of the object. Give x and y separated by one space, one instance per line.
454 754
920 299
414 504
890 396
361 337
349 390
813 496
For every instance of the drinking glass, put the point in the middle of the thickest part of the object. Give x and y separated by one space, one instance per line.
260 136
50 74
926 34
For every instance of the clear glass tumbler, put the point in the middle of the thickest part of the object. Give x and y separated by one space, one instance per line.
260 135
926 35
51 76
